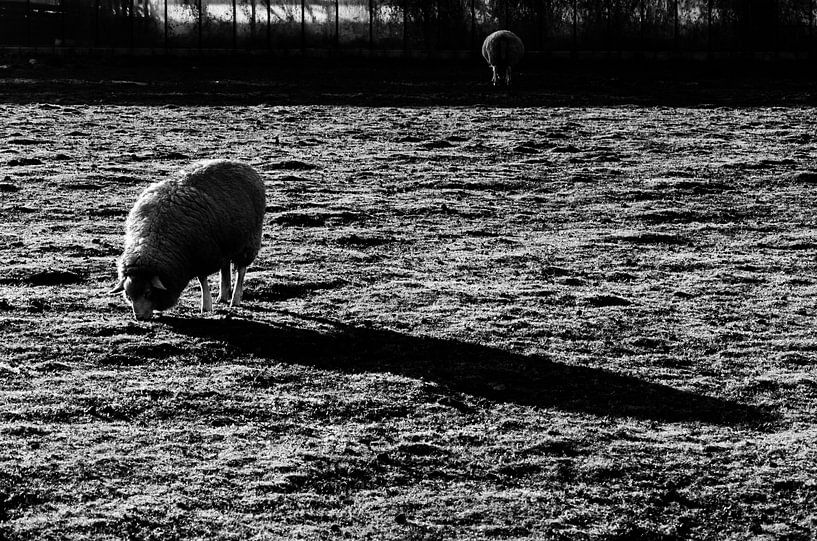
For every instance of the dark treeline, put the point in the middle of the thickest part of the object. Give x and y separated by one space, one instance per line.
413 25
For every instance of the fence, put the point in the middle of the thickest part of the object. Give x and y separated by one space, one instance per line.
411 25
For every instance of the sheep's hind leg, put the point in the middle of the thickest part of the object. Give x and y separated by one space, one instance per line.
206 299
239 285
226 290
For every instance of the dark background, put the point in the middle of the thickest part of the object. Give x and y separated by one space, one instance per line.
416 27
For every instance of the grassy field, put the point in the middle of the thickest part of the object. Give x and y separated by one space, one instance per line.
466 322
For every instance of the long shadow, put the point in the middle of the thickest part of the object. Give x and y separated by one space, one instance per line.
474 369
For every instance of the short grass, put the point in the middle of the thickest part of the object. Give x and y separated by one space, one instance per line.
465 323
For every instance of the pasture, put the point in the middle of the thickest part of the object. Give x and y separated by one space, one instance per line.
496 316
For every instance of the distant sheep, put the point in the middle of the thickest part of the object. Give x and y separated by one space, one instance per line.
191 226
502 50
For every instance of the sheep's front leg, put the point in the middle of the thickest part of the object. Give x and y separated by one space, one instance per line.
239 285
206 299
508 76
226 290
495 78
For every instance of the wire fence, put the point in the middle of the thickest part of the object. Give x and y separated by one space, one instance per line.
411 25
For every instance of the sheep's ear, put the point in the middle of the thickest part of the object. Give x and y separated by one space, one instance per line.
157 283
119 288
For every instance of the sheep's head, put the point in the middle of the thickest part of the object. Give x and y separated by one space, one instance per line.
145 294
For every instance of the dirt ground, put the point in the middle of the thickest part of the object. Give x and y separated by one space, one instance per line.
476 314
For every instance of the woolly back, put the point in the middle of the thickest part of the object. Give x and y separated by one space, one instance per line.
503 48
235 195
191 224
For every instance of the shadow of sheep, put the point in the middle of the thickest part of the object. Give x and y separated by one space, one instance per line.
461 367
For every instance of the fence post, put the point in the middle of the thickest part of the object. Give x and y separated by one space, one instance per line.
235 27
473 25
303 24
28 23
166 38
201 17
252 24
709 26
62 23
542 10
677 26
371 24
642 13
132 24
811 27
337 23
438 26
269 24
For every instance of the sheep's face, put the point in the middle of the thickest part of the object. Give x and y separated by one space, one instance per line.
139 293
145 295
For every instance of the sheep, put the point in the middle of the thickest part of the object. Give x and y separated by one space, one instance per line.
191 226
502 50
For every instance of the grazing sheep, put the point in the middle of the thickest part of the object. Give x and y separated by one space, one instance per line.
502 50
191 226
